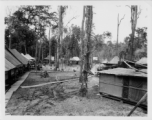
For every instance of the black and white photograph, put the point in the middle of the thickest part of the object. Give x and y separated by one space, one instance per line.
88 59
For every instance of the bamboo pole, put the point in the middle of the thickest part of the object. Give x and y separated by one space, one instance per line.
140 101
133 67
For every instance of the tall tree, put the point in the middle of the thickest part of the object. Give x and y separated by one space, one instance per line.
118 24
134 16
60 34
87 50
82 44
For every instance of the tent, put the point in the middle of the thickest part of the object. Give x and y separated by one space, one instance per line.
28 57
48 57
8 65
105 61
12 59
115 60
19 56
75 59
95 58
142 61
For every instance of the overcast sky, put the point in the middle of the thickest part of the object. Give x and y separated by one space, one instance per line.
105 18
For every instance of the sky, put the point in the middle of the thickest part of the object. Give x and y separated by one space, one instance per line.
104 18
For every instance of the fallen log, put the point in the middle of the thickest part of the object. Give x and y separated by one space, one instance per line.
61 81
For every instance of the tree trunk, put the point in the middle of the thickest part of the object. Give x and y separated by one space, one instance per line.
36 57
117 33
82 30
59 37
87 42
134 10
40 53
49 48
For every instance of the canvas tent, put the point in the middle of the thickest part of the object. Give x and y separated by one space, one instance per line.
28 57
115 60
12 59
105 61
19 56
75 59
95 58
8 65
48 57
142 61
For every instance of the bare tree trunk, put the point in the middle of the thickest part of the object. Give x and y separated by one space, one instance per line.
58 41
87 50
49 48
40 53
134 18
118 24
117 33
82 31
36 57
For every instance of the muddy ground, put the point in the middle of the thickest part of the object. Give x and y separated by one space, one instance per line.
64 100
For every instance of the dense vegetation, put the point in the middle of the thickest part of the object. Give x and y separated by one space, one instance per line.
27 26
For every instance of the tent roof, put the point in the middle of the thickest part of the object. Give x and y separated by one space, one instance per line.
8 65
115 60
123 72
105 61
19 56
142 61
27 56
48 57
12 59
95 58
75 59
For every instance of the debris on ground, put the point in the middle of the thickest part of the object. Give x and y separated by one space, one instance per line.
44 74
64 99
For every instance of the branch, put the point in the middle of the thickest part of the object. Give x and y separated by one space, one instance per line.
139 12
71 20
121 19
128 6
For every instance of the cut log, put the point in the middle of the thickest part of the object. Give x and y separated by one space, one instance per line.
39 85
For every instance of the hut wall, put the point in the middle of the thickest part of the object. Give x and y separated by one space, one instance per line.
120 86
134 94
105 84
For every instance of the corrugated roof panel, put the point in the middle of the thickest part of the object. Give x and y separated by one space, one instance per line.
123 72
11 58
19 56
8 65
